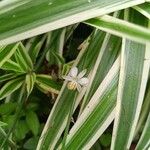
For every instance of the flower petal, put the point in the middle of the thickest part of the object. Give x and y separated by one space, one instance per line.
82 73
73 72
83 81
68 78
79 87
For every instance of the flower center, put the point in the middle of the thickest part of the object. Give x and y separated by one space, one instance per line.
72 85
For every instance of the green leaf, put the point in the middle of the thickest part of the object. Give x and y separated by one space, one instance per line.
30 80
105 139
10 87
34 46
132 84
47 83
6 52
31 143
54 55
144 111
25 19
10 142
65 69
9 119
105 60
13 66
32 122
59 58
23 58
129 104
33 106
21 130
96 146
97 115
2 124
144 9
7 77
49 44
7 108
121 28
145 137
58 116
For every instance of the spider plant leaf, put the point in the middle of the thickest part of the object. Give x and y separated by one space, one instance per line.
58 57
34 46
132 85
6 52
23 58
10 87
25 19
54 55
2 124
130 94
120 28
10 142
30 80
144 111
13 66
144 9
97 115
58 117
109 52
144 141
8 76
46 83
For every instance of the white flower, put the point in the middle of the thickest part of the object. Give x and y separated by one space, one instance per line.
76 80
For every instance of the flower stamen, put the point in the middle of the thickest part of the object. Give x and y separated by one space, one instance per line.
76 80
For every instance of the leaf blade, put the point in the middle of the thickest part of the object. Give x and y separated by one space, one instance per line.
32 122
144 139
121 28
10 87
7 52
47 83
45 20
